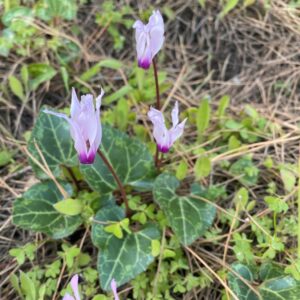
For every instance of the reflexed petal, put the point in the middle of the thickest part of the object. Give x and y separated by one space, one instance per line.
161 135
156 116
68 297
141 43
138 25
74 285
75 105
113 286
79 141
99 99
156 19
176 132
156 40
60 115
175 113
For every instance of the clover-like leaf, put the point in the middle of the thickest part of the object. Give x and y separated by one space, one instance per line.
52 137
239 287
35 211
130 159
188 217
121 259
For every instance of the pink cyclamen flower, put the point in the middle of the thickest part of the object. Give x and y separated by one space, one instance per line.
74 285
85 126
165 138
113 286
149 39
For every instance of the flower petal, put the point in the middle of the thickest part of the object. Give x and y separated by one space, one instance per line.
60 115
160 132
68 297
74 285
176 132
113 286
75 105
175 113
156 116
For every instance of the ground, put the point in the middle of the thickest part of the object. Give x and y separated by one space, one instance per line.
251 55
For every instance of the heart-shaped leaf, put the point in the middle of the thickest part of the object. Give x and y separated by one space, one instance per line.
51 135
130 159
240 288
188 217
284 287
121 259
35 211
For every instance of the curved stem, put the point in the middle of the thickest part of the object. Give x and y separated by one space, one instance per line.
156 84
156 159
117 179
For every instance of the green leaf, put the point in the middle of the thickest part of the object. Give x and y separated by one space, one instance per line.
27 286
269 270
121 259
203 116
188 217
115 229
69 207
288 178
155 247
14 280
111 63
241 197
25 76
35 211
233 143
5 157
130 159
16 87
19 254
276 204
230 5
16 13
202 167
121 114
39 73
123 91
224 103
245 170
52 135
285 287
181 170
242 291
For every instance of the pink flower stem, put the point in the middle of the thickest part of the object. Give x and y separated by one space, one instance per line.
117 179
156 158
156 84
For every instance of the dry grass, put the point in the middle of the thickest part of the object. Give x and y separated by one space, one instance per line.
251 55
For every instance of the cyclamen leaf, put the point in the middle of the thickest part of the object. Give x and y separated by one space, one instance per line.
52 136
121 259
130 159
242 291
284 287
35 211
187 216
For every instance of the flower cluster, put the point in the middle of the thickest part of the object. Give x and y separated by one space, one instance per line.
85 126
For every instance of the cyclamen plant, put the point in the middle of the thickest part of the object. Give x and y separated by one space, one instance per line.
68 154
